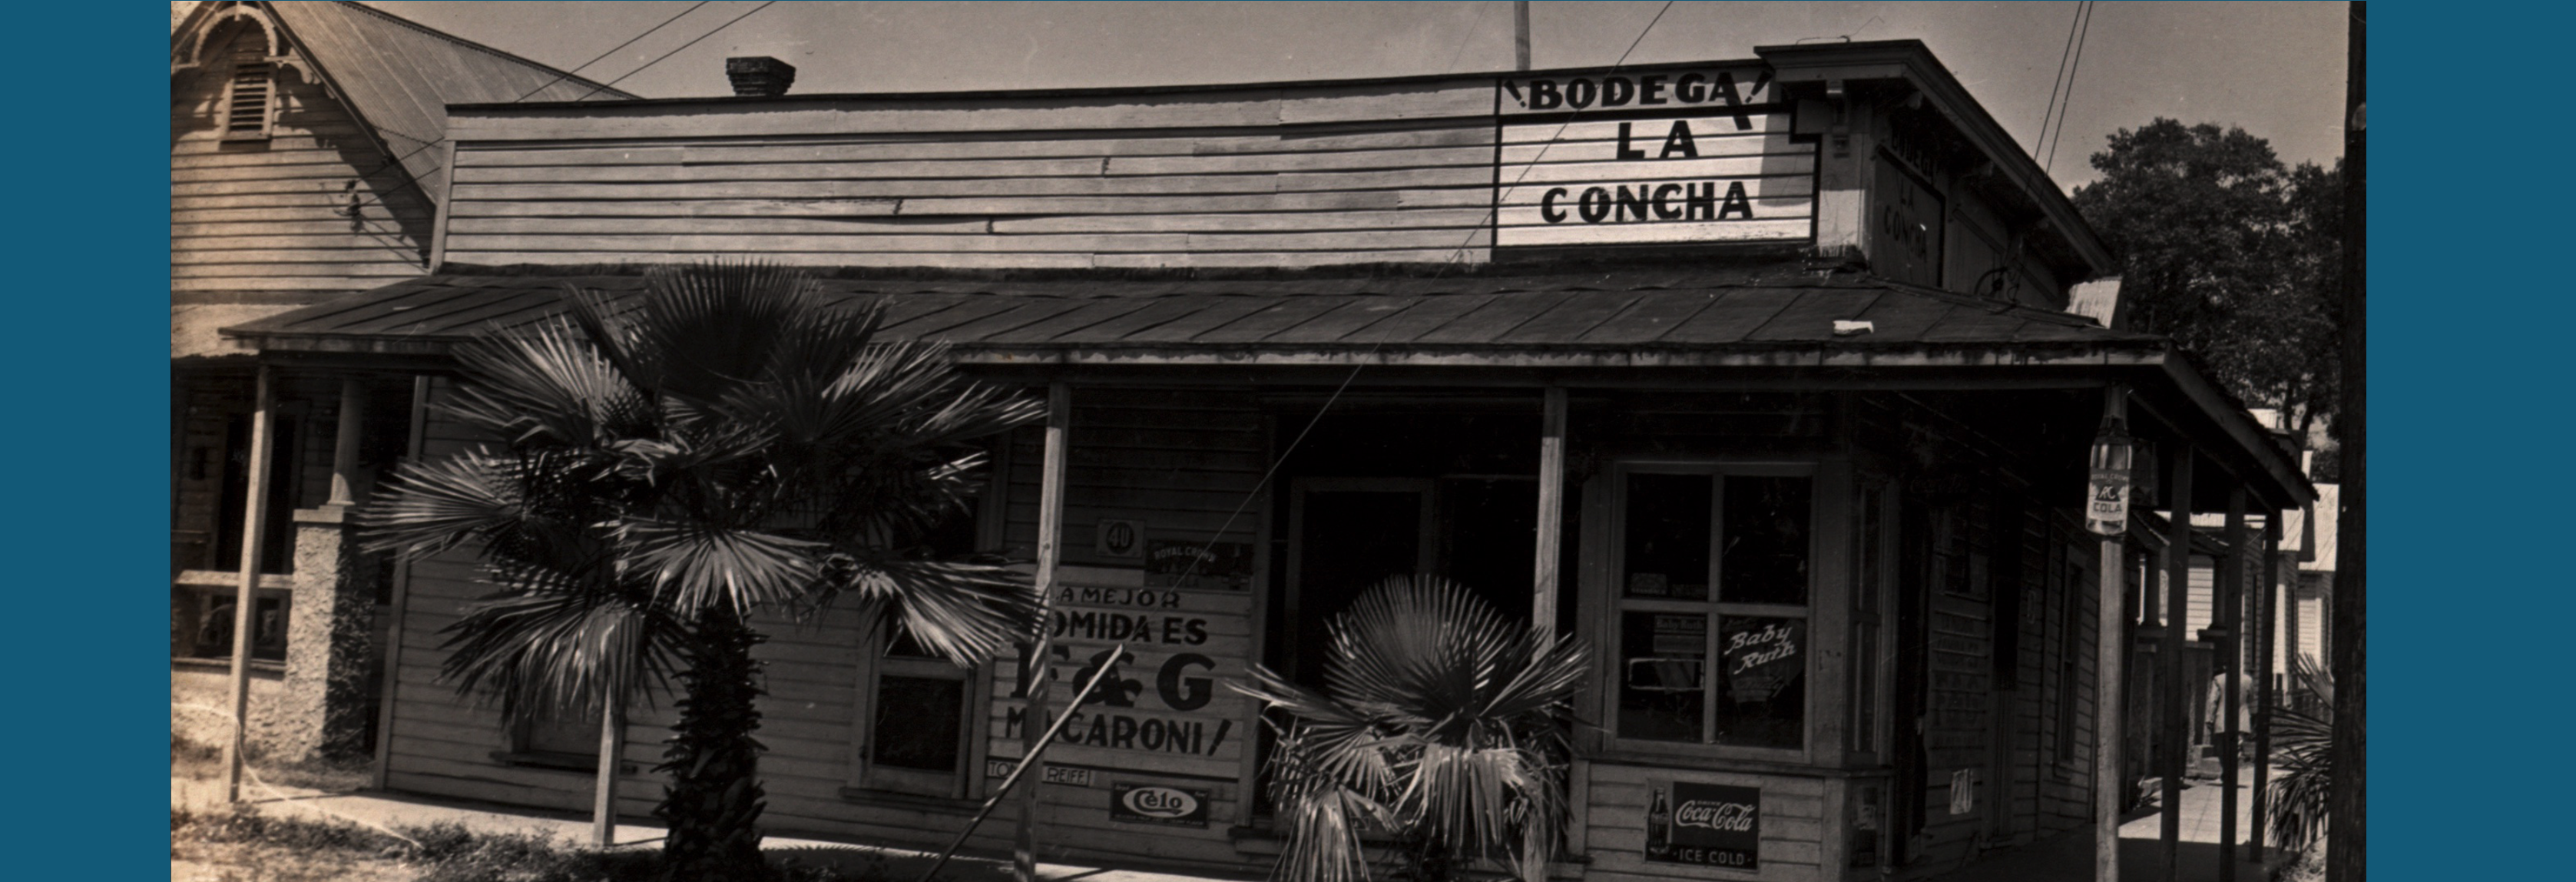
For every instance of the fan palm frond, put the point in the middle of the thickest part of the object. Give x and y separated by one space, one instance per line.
1444 724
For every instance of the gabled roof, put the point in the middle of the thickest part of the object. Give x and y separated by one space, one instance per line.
398 77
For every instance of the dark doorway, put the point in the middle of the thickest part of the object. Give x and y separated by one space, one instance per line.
1346 535
277 538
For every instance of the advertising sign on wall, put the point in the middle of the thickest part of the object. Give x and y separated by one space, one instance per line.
1711 825
1674 156
1160 708
1158 805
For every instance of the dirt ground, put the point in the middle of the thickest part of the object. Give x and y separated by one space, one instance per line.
199 706
199 702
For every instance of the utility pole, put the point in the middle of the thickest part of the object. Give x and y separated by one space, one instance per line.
2345 806
1520 35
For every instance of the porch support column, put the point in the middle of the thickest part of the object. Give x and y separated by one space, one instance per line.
2226 604
255 519
390 661
2267 613
329 625
1551 511
2176 725
2110 678
612 743
1033 724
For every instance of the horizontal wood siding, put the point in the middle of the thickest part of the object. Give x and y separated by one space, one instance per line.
1614 804
1329 194
314 207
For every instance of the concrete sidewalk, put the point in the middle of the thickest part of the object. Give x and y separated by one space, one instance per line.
393 811
2068 857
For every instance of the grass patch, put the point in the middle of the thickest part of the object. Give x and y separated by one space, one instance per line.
443 852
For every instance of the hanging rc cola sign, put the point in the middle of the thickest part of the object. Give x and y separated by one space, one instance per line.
2106 496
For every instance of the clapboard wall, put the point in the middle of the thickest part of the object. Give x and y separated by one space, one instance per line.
315 208
1179 461
1240 177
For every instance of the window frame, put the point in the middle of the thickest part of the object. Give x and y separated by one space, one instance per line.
866 779
1826 530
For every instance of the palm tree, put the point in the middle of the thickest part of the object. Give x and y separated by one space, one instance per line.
725 443
1444 727
2302 742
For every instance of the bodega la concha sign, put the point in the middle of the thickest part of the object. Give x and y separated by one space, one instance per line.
1649 157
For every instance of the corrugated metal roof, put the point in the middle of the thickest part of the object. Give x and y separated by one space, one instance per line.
400 76
1643 311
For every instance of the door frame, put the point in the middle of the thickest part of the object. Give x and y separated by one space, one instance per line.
1425 541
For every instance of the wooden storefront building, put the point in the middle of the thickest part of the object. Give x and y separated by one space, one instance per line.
1757 375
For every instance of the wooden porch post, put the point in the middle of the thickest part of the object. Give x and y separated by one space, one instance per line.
1033 722
2267 612
2110 678
344 443
612 743
2175 725
390 660
254 528
2225 606
1551 511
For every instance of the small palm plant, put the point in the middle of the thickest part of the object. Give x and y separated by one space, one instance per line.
1443 725
725 443
2302 747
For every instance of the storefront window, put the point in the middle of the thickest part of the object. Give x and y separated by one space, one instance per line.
1715 667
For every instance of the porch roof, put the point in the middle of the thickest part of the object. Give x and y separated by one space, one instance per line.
1773 320
1685 316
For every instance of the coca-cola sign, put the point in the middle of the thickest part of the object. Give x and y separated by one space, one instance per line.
1705 824
1731 816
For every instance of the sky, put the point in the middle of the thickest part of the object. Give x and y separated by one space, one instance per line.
2276 69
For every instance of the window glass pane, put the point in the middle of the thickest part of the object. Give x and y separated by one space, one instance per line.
918 722
1766 540
554 731
1662 661
1668 536
1762 682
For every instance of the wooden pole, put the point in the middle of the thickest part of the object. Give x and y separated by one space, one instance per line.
390 664
2175 725
612 744
1024 854
254 530
2224 602
2266 643
344 443
1520 35
1551 510
2110 673
2346 806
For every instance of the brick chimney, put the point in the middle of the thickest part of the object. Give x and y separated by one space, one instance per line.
760 75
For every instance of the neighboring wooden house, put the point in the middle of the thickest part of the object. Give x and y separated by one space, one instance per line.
307 159
1757 375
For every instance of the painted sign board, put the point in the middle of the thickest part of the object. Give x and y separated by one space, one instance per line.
1713 825
1160 708
1159 805
1661 157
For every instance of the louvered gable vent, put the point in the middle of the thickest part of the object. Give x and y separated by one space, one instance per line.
247 99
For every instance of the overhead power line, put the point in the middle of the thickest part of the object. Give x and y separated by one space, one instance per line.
2056 82
2058 136
658 59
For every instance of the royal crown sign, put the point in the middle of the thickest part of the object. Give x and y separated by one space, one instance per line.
1658 157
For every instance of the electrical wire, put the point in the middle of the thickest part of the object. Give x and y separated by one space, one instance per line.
2057 138
2055 82
1361 363
658 60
